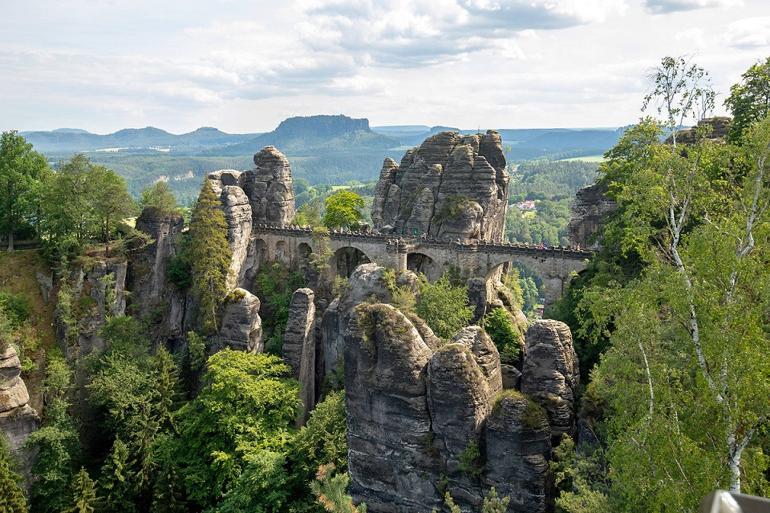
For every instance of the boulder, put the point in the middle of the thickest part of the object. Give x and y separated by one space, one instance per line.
299 346
550 374
452 186
485 353
241 325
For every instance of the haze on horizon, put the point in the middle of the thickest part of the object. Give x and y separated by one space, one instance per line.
245 66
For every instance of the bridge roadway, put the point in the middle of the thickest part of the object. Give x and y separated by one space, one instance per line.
293 244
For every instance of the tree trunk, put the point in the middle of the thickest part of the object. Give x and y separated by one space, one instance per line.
10 241
734 464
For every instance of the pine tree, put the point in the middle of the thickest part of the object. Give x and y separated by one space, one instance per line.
12 498
209 255
83 493
115 485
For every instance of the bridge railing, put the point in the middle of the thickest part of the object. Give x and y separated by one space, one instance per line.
474 246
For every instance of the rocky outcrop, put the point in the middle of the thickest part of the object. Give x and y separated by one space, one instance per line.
17 418
589 211
263 195
425 418
550 375
517 431
299 349
146 277
94 292
714 129
241 324
368 282
389 425
451 187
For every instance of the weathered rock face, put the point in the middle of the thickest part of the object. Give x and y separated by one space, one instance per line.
517 431
551 375
146 277
17 418
418 411
299 343
589 211
97 292
451 187
366 283
263 195
241 324
389 426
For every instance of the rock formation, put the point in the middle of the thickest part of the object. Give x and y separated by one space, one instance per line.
263 195
146 277
451 187
17 418
426 416
716 128
97 291
589 210
299 343
241 325
517 431
550 375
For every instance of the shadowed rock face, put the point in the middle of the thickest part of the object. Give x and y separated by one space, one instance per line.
550 374
452 186
241 324
518 446
299 343
589 211
146 277
418 409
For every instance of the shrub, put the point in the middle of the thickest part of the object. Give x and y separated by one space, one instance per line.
16 308
444 307
500 327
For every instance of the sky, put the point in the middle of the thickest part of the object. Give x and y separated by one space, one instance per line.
245 65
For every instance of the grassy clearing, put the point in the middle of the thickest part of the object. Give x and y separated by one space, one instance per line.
586 158
17 276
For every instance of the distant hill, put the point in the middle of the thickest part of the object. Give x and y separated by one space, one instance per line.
411 135
309 135
148 139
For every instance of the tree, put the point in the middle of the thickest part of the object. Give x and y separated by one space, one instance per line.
56 442
160 197
681 379
501 328
444 307
749 100
21 170
12 499
117 490
232 437
111 201
331 490
343 209
209 255
83 493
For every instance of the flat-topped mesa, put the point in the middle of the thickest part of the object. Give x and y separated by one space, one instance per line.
452 186
263 195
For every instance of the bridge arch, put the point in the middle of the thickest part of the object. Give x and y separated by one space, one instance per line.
419 262
346 259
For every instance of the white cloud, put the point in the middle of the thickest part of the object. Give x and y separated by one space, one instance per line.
749 33
667 6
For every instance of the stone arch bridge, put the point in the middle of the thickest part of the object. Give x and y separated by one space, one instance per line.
294 245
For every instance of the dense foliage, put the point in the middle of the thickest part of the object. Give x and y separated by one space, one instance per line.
444 306
159 197
343 209
677 302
